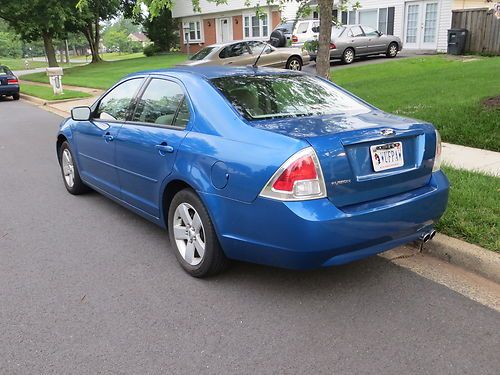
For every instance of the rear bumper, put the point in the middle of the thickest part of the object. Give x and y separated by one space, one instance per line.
9 89
313 234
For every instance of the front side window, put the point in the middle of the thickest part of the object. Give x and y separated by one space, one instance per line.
370 31
159 104
257 47
255 26
115 105
286 95
234 50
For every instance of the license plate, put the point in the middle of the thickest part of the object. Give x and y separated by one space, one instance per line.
387 156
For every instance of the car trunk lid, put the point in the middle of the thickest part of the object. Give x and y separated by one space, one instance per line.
344 147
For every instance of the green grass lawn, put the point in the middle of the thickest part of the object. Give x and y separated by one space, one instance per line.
105 74
19 64
473 212
46 93
447 92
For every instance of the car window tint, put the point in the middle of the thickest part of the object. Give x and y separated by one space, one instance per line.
115 105
302 27
257 47
182 115
356 31
159 103
370 31
234 50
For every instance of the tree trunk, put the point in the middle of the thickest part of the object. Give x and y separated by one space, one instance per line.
49 49
93 45
324 40
66 50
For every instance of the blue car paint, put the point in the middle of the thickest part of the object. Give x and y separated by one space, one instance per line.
228 160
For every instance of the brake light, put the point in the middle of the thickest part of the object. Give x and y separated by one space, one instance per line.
333 46
295 39
12 81
437 158
299 178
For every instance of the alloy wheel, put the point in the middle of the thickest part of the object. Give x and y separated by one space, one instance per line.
349 56
189 234
68 168
294 65
393 50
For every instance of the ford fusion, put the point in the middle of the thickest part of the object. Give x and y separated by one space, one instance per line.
259 165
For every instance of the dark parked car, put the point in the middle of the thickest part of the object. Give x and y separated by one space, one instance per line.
9 84
261 165
349 42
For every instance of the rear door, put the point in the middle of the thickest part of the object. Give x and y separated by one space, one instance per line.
147 145
96 139
358 40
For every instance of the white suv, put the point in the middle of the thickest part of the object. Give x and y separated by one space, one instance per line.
303 32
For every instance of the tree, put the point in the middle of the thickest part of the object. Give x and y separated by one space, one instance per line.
325 28
36 19
88 18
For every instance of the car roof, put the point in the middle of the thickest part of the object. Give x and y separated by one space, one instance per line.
215 71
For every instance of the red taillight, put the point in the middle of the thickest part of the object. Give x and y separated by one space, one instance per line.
12 81
299 178
333 46
295 39
299 170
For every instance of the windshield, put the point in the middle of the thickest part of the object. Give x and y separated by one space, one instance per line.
200 55
286 95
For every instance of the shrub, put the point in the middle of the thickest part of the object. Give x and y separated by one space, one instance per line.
151 50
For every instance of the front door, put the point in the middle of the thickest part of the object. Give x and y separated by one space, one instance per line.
224 30
96 138
421 25
147 145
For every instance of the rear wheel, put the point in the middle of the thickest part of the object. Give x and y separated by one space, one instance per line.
294 63
193 236
348 56
69 170
16 96
392 50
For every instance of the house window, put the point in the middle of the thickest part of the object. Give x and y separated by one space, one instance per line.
369 18
194 31
351 17
382 20
255 26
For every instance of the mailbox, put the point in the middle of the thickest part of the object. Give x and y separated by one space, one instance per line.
55 79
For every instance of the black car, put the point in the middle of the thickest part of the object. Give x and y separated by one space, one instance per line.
9 84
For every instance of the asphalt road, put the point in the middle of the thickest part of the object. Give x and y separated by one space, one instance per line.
87 287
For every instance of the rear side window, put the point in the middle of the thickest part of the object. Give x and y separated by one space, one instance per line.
302 27
160 103
115 105
356 31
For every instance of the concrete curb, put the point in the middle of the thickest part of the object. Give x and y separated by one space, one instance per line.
463 254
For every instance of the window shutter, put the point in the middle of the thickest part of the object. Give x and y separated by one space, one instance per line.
390 21
344 18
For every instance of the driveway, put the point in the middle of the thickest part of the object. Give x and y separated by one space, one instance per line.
87 287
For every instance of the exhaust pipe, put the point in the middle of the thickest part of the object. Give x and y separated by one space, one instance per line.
432 234
426 237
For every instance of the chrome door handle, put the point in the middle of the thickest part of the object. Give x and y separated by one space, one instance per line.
164 148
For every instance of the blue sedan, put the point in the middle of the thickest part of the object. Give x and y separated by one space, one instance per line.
260 165
9 84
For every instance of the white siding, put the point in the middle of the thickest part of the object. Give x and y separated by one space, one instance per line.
444 24
184 8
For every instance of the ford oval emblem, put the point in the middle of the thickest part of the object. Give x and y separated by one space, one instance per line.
387 132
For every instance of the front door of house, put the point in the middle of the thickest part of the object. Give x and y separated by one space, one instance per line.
224 30
421 25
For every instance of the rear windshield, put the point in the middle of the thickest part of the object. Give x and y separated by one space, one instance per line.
286 27
201 54
290 95
5 71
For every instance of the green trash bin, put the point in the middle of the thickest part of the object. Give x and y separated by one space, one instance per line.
456 41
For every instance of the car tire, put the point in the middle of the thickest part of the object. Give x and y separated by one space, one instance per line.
69 171
190 230
294 63
348 56
16 96
392 50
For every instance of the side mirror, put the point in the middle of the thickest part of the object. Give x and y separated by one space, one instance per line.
380 33
81 113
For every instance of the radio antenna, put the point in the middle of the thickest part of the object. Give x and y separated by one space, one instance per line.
258 57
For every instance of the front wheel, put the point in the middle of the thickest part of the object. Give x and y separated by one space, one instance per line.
294 63
69 170
392 50
348 56
193 236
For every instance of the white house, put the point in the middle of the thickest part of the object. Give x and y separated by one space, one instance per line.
421 24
